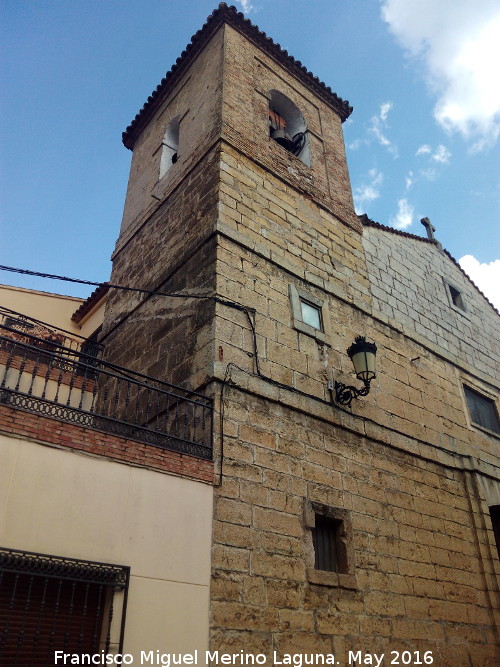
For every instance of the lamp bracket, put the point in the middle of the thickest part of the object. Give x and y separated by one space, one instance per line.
345 393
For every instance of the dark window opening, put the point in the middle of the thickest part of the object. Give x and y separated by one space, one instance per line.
456 297
495 522
327 545
482 410
51 604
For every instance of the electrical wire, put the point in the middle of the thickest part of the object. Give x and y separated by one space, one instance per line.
53 276
227 379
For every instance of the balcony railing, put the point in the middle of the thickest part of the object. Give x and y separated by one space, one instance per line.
46 377
27 329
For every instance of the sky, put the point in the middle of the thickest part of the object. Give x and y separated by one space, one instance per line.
423 139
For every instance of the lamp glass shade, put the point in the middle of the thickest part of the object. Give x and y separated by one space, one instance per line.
363 358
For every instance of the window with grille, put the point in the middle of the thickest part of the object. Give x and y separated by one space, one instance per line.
50 604
329 545
325 540
482 410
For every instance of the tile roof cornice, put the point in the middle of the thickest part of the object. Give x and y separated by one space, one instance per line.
229 15
90 302
367 222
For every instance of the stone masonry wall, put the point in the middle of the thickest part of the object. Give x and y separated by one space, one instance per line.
424 561
408 283
265 247
196 99
172 252
249 76
399 462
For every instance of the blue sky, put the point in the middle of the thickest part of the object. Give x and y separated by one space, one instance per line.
422 140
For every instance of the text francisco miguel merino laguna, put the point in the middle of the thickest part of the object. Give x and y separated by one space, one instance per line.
214 658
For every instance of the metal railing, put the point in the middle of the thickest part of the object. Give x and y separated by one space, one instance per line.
30 330
69 385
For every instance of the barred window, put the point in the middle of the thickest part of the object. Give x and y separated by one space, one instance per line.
326 536
50 604
329 545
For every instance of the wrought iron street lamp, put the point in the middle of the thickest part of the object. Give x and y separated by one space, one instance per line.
362 355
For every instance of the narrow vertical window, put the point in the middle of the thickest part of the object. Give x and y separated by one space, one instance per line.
170 146
495 522
329 546
325 541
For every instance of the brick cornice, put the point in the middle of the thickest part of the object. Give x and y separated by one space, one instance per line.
28 426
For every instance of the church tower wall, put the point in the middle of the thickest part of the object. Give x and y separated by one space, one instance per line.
399 476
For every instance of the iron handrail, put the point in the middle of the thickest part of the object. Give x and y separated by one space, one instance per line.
24 325
79 388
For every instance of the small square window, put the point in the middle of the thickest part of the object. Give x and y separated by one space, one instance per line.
482 410
455 297
311 314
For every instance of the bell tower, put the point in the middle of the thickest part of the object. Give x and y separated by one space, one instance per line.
239 225
227 149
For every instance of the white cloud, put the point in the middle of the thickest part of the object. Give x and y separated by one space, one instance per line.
404 216
424 150
354 145
366 193
410 180
442 155
384 110
485 275
458 42
378 126
246 6
430 173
